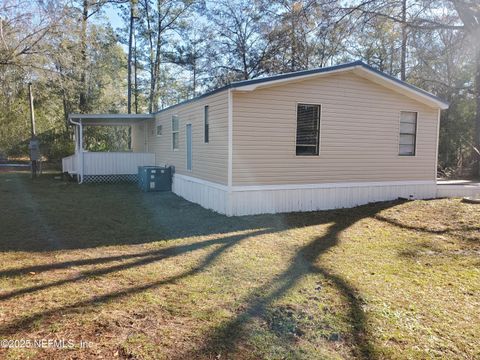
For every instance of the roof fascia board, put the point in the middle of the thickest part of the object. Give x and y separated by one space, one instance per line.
401 87
203 96
360 69
109 123
111 116
293 79
108 119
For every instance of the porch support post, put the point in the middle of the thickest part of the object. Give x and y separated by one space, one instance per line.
78 147
75 136
77 139
81 150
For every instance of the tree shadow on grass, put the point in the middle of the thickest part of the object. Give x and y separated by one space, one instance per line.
448 230
143 259
25 323
226 338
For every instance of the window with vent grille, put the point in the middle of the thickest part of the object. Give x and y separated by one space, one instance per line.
408 133
308 129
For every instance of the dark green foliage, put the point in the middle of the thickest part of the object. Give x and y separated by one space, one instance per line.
57 87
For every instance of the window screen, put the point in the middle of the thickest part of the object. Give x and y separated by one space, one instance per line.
408 133
308 129
175 132
206 124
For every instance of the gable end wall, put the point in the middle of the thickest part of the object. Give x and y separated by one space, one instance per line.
358 141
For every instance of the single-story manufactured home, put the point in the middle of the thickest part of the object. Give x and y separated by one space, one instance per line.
325 138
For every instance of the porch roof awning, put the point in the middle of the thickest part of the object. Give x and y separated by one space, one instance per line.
109 119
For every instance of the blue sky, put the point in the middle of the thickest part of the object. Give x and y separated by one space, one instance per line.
110 15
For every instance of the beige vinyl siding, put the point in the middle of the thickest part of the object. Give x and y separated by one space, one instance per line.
209 161
359 134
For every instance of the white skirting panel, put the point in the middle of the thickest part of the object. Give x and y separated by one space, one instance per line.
250 200
324 196
205 193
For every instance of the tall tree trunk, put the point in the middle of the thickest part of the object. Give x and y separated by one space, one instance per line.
403 61
129 61
65 104
83 51
244 63
476 167
135 78
129 67
152 88
156 75
194 77
390 64
156 64
151 58
155 86
293 45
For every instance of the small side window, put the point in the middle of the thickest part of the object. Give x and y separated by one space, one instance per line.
175 132
408 133
206 124
159 130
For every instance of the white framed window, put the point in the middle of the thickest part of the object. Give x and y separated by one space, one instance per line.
308 129
408 133
175 132
206 128
158 130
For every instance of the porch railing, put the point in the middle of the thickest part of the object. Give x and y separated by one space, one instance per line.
115 163
106 163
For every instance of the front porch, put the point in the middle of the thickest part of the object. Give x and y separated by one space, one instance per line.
87 166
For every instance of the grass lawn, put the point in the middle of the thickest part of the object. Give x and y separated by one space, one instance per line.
152 276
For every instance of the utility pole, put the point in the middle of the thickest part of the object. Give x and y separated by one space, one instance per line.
34 145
